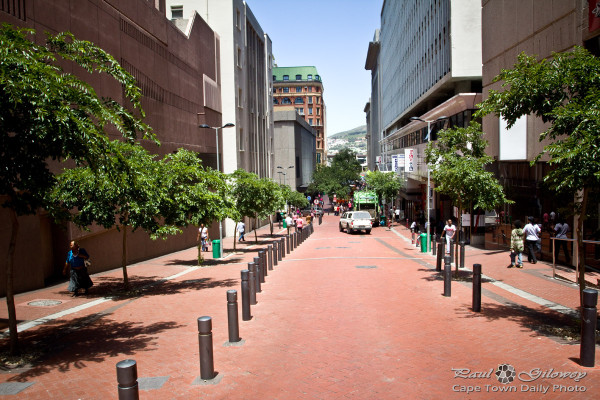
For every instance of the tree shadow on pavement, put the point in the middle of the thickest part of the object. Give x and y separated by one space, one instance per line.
112 287
60 346
463 275
535 321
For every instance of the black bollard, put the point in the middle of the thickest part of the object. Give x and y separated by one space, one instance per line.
287 247
433 245
477 287
589 317
246 315
447 277
258 276
451 250
275 253
270 257
205 342
263 262
252 282
440 254
462 253
127 380
320 219
283 248
232 316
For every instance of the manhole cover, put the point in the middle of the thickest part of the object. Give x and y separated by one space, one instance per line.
44 303
366 266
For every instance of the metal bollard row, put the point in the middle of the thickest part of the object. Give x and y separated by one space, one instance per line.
447 277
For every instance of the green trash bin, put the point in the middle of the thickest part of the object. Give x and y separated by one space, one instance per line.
382 220
216 245
423 237
284 223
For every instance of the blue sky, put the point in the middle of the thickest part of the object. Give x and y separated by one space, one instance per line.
333 36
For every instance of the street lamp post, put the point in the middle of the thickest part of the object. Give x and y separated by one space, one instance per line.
284 174
428 240
216 128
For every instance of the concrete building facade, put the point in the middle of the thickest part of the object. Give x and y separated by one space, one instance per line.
302 87
246 83
179 77
536 28
295 145
373 107
426 63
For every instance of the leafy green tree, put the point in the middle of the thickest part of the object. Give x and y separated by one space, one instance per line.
47 114
564 91
337 178
458 161
385 184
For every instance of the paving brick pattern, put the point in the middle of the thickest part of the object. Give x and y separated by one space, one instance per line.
341 317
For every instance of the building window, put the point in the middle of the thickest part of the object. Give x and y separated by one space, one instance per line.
239 57
286 77
309 77
240 103
310 99
238 20
310 110
286 90
274 77
318 111
298 89
298 100
275 101
306 88
317 77
310 121
300 110
242 140
286 100
318 121
176 12
298 77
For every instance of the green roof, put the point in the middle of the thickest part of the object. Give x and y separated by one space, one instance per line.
293 72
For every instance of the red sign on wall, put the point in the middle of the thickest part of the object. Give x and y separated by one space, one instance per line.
594 15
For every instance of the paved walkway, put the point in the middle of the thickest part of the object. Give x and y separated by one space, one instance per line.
343 316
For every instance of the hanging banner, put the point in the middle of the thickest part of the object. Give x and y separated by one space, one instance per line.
409 162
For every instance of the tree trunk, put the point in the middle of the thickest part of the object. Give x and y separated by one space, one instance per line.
234 235
124 257
255 229
457 236
271 223
580 246
10 295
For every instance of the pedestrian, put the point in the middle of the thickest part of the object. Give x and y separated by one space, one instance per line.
449 231
299 224
203 237
79 277
295 221
288 222
516 245
561 229
532 237
397 213
413 231
241 228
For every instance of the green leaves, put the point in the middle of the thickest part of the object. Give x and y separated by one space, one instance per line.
337 178
458 163
385 184
47 114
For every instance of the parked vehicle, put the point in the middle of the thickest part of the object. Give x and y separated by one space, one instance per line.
353 221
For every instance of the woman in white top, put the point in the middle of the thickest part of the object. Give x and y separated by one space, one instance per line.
532 236
449 231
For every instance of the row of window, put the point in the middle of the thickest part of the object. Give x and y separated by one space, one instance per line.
297 100
298 89
300 111
309 77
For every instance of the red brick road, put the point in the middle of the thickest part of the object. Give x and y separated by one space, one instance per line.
343 316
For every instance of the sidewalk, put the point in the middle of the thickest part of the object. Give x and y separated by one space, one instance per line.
342 316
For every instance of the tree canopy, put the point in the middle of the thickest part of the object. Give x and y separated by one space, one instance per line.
385 184
337 178
47 114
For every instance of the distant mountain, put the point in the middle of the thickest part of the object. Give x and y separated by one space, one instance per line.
358 132
354 139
